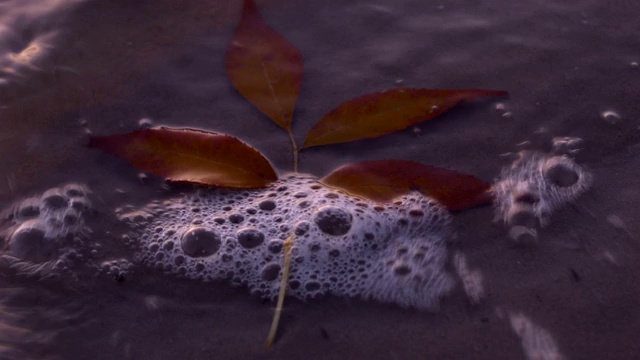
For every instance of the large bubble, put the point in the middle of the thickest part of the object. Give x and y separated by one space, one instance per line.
200 242
333 220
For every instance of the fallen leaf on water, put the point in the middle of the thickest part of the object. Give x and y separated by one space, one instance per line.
384 180
377 114
191 155
264 67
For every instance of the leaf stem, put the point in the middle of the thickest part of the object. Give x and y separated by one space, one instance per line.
295 150
288 245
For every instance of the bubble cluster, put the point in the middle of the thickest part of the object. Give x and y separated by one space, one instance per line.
117 269
342 245
529 191
45 236
39 225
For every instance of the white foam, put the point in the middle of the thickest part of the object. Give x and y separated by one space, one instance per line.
43 233
343 245
531 182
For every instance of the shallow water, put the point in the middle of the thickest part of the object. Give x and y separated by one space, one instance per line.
73 68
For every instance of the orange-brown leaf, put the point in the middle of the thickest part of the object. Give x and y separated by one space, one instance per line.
191 155
384 180
264 67
377 114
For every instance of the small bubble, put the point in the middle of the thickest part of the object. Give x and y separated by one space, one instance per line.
523 235
145 123
267 205
610 116
416 212
566 145
28 211
634 64
28 242
559 173
236 218
249 238
333 220
54 200
275 246
70 218
270 272
401 269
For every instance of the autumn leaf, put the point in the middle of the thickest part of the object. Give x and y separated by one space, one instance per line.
377 114
264 67
191 155
384 180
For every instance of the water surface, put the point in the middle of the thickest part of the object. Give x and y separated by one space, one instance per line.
73 68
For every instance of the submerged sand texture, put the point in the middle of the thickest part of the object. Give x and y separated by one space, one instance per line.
569 68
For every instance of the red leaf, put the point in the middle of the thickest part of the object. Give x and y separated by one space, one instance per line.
264 67
377 114
191 155
384 180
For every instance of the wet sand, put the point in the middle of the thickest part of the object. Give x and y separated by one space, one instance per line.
574 295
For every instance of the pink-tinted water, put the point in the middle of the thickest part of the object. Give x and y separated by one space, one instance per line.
73 68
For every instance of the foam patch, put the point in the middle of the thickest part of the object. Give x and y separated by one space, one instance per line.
46 234
533 187
343 245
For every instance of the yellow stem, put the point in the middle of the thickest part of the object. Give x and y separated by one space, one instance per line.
288 244
294 148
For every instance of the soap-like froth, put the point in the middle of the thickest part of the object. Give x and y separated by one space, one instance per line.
342 245
45 236
539 183
57 212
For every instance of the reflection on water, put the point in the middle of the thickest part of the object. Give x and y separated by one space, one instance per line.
610 117
33 318
471 279
29 30
61 57
537 343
